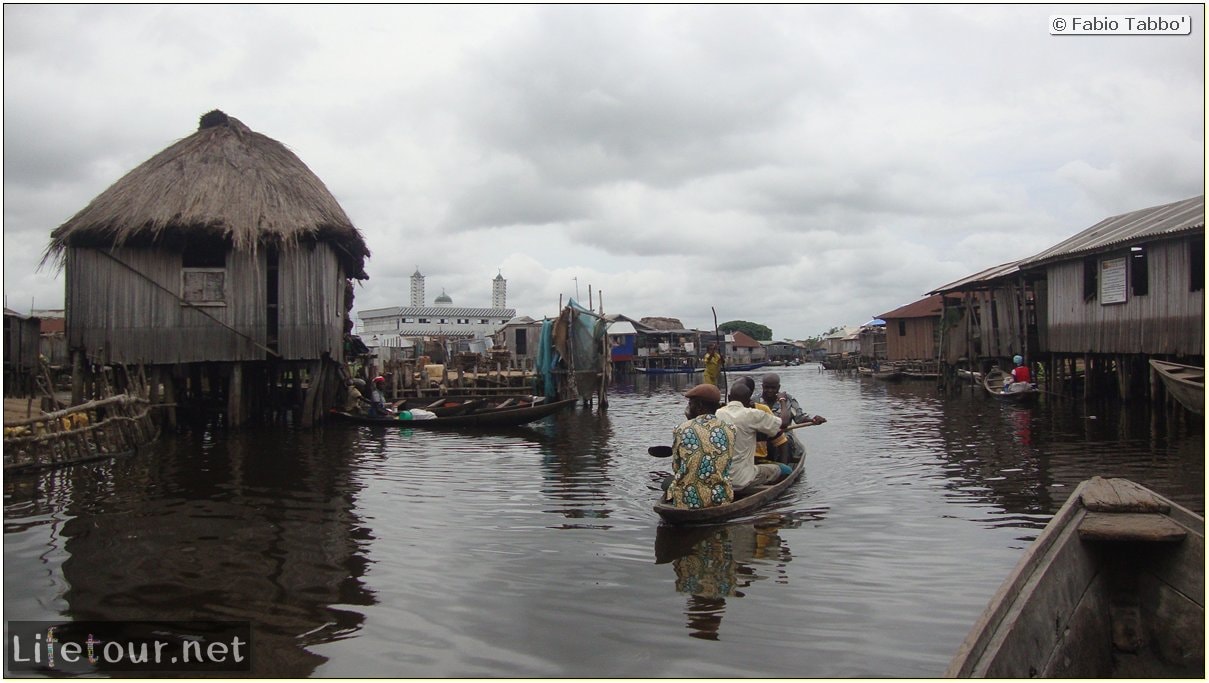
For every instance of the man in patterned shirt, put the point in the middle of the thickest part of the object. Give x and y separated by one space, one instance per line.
701 453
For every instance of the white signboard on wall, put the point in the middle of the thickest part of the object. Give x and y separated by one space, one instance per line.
1112 281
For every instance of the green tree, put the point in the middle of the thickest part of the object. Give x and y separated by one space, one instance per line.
754 330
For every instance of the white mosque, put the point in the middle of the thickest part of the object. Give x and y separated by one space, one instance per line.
392 326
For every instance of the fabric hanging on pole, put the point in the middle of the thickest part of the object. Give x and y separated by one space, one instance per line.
588 331
547 358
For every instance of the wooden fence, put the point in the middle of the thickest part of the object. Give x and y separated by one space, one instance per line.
96 429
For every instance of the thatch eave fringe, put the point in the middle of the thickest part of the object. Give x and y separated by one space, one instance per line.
223 181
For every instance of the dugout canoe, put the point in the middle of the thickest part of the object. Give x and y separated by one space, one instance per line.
1186 383
1113 587
444 406
685 370
754 500
507 417
889 374
993 383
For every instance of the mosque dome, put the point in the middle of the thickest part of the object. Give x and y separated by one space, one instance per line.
443 300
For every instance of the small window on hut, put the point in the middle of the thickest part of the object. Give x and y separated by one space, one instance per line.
1139 273
1091 272
1196 263
204 273
902 328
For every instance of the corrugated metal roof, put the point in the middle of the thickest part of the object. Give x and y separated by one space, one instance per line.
980 279
437 311
434 331
843 333
1136 226
379 312
622 327
743 340
924 308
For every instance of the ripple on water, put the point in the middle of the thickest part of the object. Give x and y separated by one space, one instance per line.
534 552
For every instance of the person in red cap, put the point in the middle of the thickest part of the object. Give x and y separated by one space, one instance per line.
701 453
377 401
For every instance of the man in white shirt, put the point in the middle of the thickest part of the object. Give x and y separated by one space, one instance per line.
747 422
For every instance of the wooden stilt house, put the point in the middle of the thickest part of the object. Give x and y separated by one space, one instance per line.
1127 289
223 267
913 335
21 339
990 317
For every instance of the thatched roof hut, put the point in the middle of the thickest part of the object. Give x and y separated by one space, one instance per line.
224 247
223 181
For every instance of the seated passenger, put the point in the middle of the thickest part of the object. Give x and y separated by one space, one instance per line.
377 400
1021 377
745 473
702 447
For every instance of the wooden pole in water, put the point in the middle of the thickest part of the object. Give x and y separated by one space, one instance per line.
235 416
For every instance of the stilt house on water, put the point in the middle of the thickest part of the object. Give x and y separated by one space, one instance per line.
1093 309
1127 289
913 335
21 340
223 267
990 317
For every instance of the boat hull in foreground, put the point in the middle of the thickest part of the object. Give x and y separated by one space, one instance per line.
1114 586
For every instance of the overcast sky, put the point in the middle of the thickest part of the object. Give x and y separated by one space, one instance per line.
803 167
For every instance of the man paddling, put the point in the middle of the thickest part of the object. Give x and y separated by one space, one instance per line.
770 393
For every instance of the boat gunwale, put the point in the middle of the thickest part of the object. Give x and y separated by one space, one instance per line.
721 513
990 632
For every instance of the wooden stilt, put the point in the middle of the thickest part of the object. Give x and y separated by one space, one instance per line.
77 377
308 405
170 396
235 414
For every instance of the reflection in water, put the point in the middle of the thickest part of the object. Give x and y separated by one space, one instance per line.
575 460
712 563
360 551
250 528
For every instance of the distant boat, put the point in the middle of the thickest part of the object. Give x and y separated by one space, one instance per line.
993 383
743 367
971 375
490 418
1185 382
1113 587
889 373
686 370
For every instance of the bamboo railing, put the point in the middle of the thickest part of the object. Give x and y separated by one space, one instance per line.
96 429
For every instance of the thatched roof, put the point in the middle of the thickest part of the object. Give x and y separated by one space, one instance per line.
223 181
661 323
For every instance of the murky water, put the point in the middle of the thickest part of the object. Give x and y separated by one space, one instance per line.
361 551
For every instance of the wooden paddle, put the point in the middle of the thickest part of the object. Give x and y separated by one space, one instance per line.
666 451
